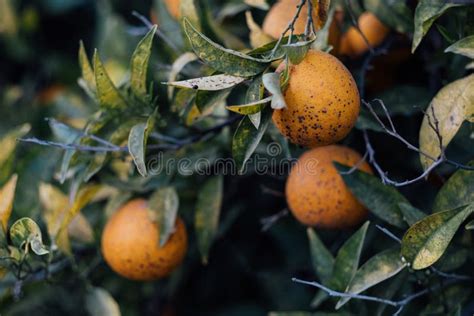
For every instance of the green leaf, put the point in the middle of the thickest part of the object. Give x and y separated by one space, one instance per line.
250 108
271 81
208 208
395 14
176 68
426 241
165 204
347 260
411 214
457 191
139 64
25 232
225 60
404 100
453 104
426 13
255 93
137 142
380 199
211 83
7 195
247 138
322 259
296 52
206 101
86 68
463 47
109 97
99 302
470 225
380 267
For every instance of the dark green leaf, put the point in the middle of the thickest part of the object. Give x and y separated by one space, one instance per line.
296 52
463 47
322 259
470 225
347 260
222 59
380 199
165 204
208 208
206 101
426 241
411 214
139 64
380 267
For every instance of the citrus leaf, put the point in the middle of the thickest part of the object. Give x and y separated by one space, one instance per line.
7 195
86 68
463 47
255 93
222 59
322 39
164 204
206 101
257 36
347 260
296 52
426 241
211 83
176 68
260 4
380 199
250 108
453 104
24 233
54 205
137 141
322 259
9 141
247 138
457 191
470 225
271 81
139 64
108 95
380 267
99 302
189 11
411 214
427 11
208 208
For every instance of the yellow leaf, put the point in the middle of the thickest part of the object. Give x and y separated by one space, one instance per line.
9 141
452 105
7 194
257 36
54 206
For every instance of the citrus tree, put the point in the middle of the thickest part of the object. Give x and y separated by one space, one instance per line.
291 157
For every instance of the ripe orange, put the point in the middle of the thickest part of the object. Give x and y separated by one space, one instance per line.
352 42
322 102
130 244
173 7
317 195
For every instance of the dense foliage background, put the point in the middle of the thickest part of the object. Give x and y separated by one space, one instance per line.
249 269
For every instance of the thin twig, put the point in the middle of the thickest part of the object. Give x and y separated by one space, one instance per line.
268 222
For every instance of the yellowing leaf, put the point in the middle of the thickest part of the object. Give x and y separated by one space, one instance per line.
257 36
7 194
139 64
86 68
451 107
108 95
9 141
54 206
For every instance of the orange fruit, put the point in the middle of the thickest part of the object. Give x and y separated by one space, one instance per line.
317 195
131 248
352 42
173 7
322 101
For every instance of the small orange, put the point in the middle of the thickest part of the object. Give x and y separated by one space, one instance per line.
317 195
130 244
322 101
353 43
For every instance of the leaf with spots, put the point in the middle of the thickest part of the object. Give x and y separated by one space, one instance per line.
99 302
464 46
250 108
247 138
272 83
427 11
453 105
411 214
211 83
139 64
379 268
380 199
176 68
208 209
25 233
222 59
426 241
164 204
347 260
137 141
207 101
457 191
7 195
321 258
108 95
